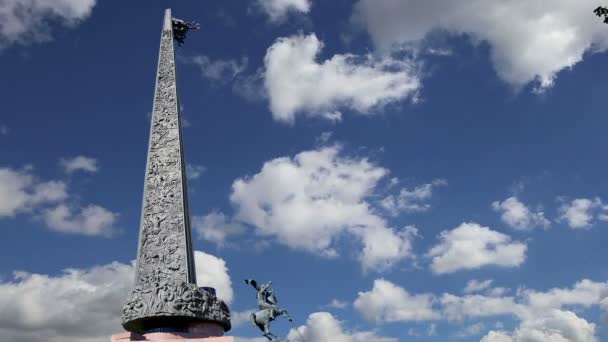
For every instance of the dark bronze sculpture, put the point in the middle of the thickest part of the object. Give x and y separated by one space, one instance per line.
181 28
602 12
269 309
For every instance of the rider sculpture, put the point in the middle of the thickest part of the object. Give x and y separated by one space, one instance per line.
269 309
181 28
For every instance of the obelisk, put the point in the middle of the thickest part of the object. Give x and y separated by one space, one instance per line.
165 298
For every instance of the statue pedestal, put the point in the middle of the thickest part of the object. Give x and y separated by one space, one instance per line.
197 332
169 337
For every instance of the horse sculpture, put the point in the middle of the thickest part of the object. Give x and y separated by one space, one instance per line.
269 310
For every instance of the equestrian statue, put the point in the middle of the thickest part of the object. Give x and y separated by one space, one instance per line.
269 310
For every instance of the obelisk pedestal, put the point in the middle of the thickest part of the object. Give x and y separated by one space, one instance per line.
170 337
165 303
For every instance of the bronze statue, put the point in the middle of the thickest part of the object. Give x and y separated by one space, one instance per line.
181 27
602 11
269 309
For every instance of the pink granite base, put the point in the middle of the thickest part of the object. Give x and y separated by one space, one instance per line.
198 332
169 337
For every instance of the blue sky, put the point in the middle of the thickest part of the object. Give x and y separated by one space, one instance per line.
401 170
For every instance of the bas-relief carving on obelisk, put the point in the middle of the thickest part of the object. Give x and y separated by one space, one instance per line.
165 297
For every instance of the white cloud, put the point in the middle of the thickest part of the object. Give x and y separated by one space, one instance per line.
239 318
82 305
30 21
471 330
76 305
323 327
580 212
297 84
250 339
219 70
585 293
496 291
91 220
4 130
383 246
79 163
277 10
542 315
324 138
387 302
554 326
475 285
217 228
471 246
458 308
527 303
517 215
430 331
21 191
410 201
541 40
337 304
212 271
194 171
308 201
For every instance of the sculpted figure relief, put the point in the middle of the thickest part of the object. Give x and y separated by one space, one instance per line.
164 280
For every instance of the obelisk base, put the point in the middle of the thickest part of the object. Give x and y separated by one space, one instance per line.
169 337
197 332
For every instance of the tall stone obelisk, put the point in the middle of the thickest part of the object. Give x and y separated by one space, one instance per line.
165 298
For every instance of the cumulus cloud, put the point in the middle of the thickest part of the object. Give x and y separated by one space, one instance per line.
541 315
517 215
277 10
471 246
308 201
76 305
239 318
470 330
584 292
323 327
458 308
337 304
387 302
217 228
212 271
20 191
475 285
557 326
250 339
79 163
194 171
541 40
91 220
527 302
25 22
222 71
83 305
296 83
580 213
410 201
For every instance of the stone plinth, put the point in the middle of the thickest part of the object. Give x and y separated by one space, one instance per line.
169 337
197 332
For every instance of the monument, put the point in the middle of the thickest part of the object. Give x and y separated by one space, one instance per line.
165 303
269 310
